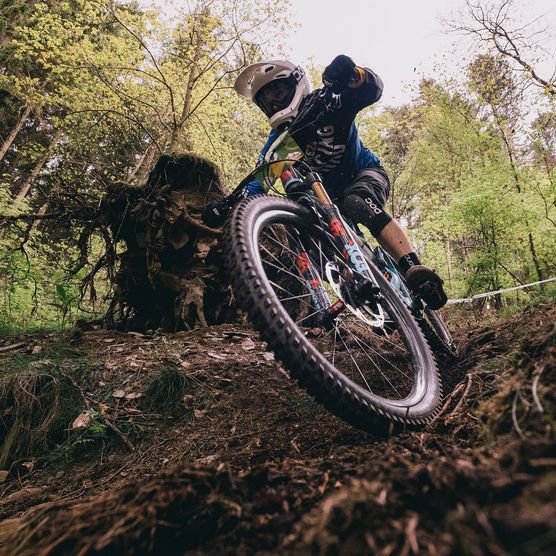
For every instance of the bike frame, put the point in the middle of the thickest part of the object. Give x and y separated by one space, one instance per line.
285 152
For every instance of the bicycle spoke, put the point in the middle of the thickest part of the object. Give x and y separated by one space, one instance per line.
355 363
283 269
381 372
377 362
334 348
282 246
381 356
297 297
312 315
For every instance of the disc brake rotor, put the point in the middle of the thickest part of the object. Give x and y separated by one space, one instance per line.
336 281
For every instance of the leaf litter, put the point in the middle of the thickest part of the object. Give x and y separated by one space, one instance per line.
253 466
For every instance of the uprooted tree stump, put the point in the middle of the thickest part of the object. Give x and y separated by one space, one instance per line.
171 274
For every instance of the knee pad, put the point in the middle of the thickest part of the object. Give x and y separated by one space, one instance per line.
366 211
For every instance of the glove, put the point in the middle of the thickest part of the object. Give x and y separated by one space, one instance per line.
339 73
215 214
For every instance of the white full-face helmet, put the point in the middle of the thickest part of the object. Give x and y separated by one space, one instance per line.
277 87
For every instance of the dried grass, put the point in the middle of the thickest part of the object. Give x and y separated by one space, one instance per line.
166 515
38 404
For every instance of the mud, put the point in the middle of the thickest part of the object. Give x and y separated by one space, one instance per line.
241 461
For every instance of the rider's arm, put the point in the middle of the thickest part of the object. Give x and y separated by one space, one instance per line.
357 86
255 187
364 91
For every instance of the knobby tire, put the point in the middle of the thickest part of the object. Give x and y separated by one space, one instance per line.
332 388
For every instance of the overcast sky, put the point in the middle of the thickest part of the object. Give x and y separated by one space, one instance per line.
399 39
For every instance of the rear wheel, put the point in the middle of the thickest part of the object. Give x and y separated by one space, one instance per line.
437 333
369 364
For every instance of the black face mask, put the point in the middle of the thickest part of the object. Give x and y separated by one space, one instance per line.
276 95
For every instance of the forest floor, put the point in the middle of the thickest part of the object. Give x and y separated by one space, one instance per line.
199 442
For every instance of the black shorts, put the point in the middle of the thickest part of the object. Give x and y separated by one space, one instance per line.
363 200
370 182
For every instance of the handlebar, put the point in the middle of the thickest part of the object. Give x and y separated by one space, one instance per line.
314 107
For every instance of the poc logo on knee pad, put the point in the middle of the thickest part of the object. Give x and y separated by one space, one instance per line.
374 207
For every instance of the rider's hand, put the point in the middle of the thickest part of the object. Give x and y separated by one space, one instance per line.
339 73
215 214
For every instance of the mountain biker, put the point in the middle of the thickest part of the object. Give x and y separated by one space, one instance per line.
351 173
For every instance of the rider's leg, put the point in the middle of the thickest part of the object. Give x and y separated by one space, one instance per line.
393 239
363 202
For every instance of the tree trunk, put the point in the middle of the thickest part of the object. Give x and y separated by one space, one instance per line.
25 188
536 262
447 247
511 157
144 166
38 221
17 128
181 126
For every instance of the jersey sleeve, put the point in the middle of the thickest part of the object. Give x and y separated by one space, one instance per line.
365 92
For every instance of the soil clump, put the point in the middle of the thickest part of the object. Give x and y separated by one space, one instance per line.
198 442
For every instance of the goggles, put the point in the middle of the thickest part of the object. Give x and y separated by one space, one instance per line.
276 95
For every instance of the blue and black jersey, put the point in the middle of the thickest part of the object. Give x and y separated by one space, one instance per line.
331 144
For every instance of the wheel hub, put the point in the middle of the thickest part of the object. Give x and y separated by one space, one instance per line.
361 298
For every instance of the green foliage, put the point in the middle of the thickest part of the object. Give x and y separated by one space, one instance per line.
92 92
478 207
37 291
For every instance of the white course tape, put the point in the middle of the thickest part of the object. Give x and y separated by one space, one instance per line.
496 292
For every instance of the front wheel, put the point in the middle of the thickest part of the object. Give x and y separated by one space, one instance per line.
368 365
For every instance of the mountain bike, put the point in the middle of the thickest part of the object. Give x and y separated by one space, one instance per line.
334 310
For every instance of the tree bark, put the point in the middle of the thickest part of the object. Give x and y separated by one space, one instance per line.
448 249
13 134
540 273
181 127
38 221
509 149
25 188
144 166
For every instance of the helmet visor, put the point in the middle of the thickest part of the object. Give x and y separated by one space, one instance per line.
276 96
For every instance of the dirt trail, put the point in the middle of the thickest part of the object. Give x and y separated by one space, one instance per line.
204 445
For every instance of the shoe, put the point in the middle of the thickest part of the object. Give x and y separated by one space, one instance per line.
425 283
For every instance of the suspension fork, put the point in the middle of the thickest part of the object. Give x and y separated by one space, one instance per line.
346 245
319 295
307 270
343 238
